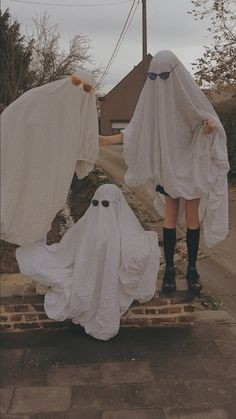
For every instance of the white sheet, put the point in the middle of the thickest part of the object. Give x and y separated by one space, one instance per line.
164 144
104 262
46 134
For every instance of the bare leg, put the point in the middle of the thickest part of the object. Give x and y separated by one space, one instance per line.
169 241
171 214
191 213
192 241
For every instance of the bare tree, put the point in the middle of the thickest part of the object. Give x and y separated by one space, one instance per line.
33 60
217 66
50 62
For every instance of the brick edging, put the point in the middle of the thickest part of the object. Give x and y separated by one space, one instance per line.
156 313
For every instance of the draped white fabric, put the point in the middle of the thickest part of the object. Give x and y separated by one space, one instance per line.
46 134
164 144
104 262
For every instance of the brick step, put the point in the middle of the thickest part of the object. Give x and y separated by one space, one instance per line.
22 309
28 314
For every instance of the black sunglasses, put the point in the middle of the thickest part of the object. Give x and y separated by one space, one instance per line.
164 76
95 203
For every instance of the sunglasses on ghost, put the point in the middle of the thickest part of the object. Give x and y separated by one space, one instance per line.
76 81
163 76
104 203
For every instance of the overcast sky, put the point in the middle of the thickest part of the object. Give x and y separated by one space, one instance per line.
169 27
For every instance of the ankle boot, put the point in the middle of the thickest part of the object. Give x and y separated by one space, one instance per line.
169 284
194 284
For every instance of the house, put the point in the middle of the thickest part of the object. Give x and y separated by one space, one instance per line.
117 106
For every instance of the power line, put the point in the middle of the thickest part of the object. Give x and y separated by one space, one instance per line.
124 33
130 20
39 3
117 47
121 37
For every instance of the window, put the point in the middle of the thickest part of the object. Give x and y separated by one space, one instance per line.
118 126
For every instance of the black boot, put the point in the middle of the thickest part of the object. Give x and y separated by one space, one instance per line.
169 241
194 284
192 240
169 284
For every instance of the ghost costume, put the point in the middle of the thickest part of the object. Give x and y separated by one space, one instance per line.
46 134
164 144
104 262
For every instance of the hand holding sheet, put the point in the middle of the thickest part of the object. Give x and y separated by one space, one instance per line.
208 126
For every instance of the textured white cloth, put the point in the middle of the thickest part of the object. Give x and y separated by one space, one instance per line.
104 262
164 144
46 134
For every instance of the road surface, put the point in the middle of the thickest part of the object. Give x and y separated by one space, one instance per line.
111 161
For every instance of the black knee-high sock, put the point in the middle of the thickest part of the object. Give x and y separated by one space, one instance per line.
169 242
192 240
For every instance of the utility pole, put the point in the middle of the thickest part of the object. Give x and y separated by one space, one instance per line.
144 18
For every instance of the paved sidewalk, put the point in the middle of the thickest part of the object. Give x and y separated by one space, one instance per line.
224 253
218 270
140 374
